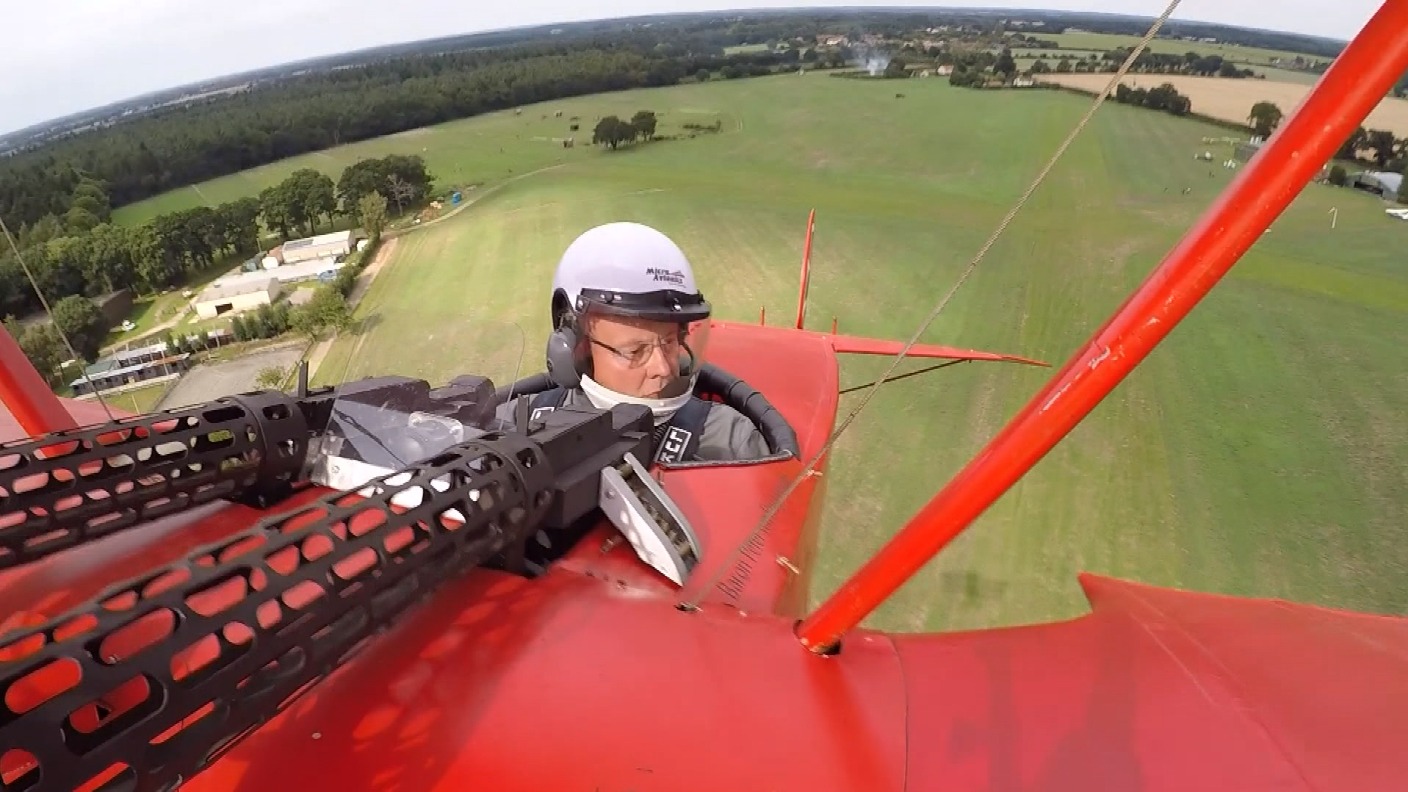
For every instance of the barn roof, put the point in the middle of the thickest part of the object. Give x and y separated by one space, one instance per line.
321 239
234 287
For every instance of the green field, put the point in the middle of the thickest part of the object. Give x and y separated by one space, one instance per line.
1260 451
460 154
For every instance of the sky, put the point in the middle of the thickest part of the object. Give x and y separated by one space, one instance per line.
64 56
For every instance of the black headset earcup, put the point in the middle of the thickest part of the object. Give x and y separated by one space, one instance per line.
687 363
562 358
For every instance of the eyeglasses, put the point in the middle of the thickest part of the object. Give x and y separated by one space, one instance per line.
637 355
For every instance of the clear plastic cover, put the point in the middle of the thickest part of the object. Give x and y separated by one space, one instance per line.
401 404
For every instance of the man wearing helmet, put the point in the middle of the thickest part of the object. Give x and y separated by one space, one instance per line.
630 326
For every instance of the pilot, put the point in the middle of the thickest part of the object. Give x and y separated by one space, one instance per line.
631 327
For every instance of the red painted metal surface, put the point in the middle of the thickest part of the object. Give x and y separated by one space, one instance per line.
1354 85
573 683
27 400
39 591
1159 689
80 413
569 682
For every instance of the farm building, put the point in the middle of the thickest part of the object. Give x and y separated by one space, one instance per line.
322 269
317 247
251 289
1382 183
237 294
129 367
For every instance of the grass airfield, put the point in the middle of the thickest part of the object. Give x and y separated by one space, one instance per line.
1260 451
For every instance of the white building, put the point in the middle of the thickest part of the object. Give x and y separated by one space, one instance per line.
317 247
237 294
324 269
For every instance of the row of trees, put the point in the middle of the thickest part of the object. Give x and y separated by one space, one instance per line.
165 252
970 69
611 131
1165 98
1386 151
1190 63
164 150
1381 147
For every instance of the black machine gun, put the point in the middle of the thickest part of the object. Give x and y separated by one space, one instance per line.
149 682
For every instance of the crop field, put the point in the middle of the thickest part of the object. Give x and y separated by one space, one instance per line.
1260 451
1103 42
1232 100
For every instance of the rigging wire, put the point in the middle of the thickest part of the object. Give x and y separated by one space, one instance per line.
692 603
897 378
73 354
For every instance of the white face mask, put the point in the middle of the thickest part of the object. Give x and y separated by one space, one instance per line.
663 409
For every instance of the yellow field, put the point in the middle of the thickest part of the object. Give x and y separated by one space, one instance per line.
1232 100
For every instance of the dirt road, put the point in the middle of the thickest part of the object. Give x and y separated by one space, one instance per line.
364 282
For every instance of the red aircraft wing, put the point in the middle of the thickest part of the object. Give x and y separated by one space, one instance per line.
859 345
83 412
572 682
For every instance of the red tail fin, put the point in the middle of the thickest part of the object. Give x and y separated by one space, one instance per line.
806 271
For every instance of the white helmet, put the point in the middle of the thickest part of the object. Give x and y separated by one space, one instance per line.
624 269
627 269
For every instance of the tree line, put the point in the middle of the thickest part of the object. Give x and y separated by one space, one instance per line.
168 250
1165 98
1190 63
73 259
1386 151
162 151
84 326
1381 147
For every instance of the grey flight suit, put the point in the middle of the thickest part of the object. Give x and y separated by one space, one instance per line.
728 435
